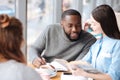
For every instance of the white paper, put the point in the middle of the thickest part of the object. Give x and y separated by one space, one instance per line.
72 77
60 65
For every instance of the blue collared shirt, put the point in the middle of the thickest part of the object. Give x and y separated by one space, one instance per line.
104 55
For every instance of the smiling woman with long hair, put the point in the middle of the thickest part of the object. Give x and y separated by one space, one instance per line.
104 54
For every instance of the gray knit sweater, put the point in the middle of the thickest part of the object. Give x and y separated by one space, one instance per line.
55 44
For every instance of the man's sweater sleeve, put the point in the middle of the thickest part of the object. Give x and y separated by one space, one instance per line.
38 46
88 43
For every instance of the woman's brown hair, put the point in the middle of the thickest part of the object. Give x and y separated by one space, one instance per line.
11 37
105 15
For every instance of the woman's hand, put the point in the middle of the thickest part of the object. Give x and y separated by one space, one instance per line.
78 72
72 65
74 68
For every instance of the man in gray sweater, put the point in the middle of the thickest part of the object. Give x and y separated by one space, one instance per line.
64 41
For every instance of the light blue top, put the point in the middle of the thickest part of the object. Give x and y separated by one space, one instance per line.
104 55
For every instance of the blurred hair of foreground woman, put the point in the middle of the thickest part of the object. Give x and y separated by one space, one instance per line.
12 62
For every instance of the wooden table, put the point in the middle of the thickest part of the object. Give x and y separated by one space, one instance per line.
57 77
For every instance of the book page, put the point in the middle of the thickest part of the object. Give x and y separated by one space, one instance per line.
60 64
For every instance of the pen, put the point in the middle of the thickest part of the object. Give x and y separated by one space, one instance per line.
42 60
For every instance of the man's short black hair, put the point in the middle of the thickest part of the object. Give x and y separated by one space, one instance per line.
70 12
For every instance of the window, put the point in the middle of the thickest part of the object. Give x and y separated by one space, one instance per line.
66 4
38 17
7 7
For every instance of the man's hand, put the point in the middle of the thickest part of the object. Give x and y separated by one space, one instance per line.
37 62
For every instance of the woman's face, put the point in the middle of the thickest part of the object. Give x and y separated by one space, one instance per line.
96 26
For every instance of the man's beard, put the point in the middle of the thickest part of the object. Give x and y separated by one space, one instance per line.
68 36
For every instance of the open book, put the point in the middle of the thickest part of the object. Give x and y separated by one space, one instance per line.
62 65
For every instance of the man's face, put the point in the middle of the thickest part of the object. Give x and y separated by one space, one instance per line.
72 26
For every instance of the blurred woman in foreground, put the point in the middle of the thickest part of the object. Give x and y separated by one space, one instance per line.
12 61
